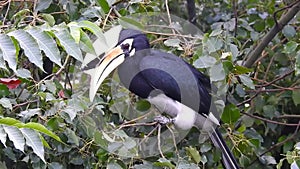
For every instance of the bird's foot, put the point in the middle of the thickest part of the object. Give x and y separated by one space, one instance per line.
163 120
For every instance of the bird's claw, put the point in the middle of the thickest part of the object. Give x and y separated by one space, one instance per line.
163 120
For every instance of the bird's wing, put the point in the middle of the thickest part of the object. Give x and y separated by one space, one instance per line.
179 80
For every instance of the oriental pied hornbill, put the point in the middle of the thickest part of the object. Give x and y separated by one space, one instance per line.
166 81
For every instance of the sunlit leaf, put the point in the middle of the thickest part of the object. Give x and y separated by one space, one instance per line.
246 80
47 44
172 42
289 31
23 73
42 4
69 44
3 135
86 44
16 136
74 31
95 29
33 140
5 102
40 128
30 46
9 51
216 72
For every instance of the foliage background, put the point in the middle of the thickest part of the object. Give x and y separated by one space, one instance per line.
260 124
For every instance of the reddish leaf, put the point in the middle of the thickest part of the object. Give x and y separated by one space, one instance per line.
61 94
11 83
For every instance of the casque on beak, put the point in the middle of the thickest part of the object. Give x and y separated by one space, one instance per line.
110 61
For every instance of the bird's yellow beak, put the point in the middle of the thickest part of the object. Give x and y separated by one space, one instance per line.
110 62
107 64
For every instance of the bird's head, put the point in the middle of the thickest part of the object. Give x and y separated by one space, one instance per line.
130 41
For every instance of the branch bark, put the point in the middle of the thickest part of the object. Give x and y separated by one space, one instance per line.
256 52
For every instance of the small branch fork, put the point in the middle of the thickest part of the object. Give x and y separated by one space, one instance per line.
280 89
279 144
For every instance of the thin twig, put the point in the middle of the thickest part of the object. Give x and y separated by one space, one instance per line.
279 144
269 121
282 9
174 140
106 18
158 141
6 13
279 78
170 34
288 116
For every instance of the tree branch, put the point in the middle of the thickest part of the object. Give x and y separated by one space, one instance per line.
256 52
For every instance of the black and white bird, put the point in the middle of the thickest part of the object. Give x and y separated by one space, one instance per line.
166 81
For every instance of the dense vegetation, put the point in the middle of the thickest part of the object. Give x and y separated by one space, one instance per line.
249 48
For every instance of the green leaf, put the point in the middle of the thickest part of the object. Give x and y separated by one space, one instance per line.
268 159
30 46
205 147
69 44
205 62
234 50
104 5
214 44
162 162
290 47
23 73
86 44
92 28
48 18
9 51
33 140
40 128
289 31
74 31
296 96
172 42
72 138
217 72
15 135
42 4
130 23
241 70
55 165
143 105
27 114
44 142
269 111
194 154
230 114
47 44
279 165
9 121
2 62
297 63
5 102
113 164
247 81
99 139
3 135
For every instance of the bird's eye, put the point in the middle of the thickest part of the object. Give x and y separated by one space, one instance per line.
125 46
